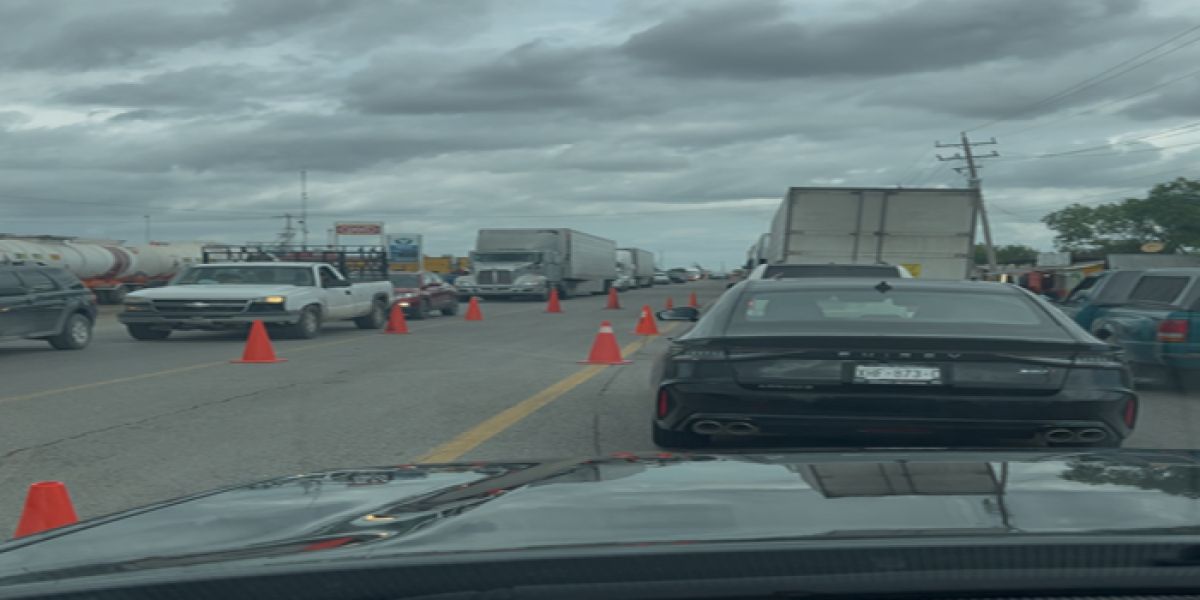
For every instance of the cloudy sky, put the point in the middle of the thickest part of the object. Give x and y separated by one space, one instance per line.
674 126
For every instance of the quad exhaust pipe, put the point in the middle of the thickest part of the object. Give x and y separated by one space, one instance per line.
710 427
1063 435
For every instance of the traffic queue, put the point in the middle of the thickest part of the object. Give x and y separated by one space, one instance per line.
293 290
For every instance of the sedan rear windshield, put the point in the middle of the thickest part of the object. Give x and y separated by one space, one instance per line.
858 312
793 271
406 281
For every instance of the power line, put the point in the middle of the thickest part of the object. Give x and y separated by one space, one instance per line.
914 170
1105 75
1083 152
1095 108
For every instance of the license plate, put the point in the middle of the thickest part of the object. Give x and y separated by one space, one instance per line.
897 374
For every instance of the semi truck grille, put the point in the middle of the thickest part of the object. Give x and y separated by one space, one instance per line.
200 307
491 277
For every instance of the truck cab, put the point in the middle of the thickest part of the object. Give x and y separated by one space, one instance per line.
511 273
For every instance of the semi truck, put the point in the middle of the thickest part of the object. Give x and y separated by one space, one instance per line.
929 232
529 263
638 264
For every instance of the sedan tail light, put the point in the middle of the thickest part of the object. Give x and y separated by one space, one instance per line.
1099 360
664 403
681 352
1130 413
1173 331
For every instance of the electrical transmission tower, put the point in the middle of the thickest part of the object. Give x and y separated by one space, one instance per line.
972 172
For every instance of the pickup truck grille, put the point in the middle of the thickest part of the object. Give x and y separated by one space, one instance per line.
490 277
200 308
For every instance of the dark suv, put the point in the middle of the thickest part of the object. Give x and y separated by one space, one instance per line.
45 303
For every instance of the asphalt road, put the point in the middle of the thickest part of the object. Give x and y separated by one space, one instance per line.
125 423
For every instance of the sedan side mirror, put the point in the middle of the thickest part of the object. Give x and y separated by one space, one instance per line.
1104 334
681 313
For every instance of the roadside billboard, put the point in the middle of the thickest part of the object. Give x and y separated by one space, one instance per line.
404 251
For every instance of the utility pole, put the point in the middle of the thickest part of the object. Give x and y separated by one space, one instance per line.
304 207
973 182
289 232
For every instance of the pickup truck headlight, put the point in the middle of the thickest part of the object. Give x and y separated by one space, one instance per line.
273 300
138 306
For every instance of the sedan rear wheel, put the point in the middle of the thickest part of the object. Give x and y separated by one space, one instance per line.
667 438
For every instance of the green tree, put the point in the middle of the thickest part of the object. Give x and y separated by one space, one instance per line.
1012 254
1170 213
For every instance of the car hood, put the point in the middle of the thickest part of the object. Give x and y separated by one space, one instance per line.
214 292
627 500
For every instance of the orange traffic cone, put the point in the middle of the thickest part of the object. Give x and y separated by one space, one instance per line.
670 303
693 301
553 306
47 505
258 347
646 325
396 322
613 302
605 350
473 312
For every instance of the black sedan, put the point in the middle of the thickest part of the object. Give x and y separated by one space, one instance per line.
856 360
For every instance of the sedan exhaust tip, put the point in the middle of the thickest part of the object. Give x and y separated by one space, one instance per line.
707 427
1060 435
741 428
1091 434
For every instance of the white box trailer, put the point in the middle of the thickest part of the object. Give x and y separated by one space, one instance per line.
931 232
531 262
639 263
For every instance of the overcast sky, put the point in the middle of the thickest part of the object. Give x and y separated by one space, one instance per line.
673 126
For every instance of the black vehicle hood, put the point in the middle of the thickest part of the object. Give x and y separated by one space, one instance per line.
628 500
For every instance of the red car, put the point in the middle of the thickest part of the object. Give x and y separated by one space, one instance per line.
423 292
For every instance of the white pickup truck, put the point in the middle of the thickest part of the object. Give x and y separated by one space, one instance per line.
295 297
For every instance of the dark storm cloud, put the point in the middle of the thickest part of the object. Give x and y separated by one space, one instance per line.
72 36
531 77
771 40
213 87
203 114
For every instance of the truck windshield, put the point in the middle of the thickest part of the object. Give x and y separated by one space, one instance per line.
234 275
523 257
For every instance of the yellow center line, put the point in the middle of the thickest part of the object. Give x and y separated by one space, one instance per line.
162 373
472 438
